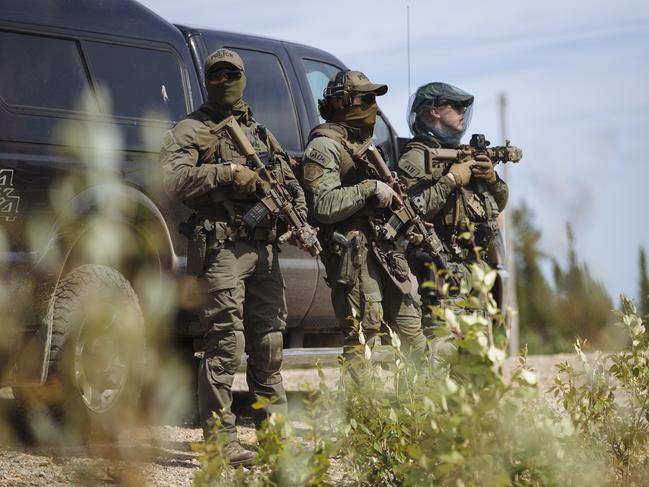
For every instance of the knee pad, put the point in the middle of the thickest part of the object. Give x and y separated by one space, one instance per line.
266 352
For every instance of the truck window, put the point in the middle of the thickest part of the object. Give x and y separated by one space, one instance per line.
142 83
269 97
318 75
383 139
41 72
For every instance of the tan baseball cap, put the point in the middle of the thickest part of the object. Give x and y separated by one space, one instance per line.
222 57
359 83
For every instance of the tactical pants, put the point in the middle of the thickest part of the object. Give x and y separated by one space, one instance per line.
245 307
374 297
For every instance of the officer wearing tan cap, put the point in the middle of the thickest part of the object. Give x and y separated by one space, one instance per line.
370 279
238 266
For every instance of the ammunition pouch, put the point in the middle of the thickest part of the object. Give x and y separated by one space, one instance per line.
394 263
485 233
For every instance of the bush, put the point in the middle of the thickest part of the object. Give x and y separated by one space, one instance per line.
460 421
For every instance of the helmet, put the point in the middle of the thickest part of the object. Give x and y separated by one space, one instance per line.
437 94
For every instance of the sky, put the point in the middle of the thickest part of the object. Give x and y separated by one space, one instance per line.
575 75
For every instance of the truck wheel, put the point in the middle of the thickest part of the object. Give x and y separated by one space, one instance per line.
96 359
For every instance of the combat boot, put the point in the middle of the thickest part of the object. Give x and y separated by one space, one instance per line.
238 455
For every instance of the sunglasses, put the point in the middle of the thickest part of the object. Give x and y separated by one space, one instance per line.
227 73
458 106
368 99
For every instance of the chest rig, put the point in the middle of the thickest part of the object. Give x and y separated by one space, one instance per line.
358 234
221 149
353 169
471 209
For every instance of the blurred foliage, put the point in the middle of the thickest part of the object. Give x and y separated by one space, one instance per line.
607 400
462 422
551 316
97 301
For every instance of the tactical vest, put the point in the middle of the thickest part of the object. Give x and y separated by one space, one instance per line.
353 170
221 150
473 202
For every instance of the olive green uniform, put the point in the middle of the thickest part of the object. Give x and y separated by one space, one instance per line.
244 303
338 188
448 207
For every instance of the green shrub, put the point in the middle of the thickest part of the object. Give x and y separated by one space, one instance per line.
458 420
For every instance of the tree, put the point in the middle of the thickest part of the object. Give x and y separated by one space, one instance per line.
583 306
535 296
551 316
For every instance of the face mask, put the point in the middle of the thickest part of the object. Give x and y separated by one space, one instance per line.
362 116
227 94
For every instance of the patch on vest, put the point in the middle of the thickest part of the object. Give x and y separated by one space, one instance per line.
409 168
312 172
316 156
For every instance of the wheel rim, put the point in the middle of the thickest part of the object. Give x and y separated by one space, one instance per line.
100 365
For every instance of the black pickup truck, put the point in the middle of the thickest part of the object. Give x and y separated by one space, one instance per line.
87 90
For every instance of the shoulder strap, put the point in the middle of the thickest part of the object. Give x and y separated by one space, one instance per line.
330 130
423 143
206 115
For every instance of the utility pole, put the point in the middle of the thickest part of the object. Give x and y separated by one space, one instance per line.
510 261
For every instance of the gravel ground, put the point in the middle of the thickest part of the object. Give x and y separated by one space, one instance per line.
160 455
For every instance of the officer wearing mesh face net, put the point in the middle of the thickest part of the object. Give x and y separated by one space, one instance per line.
369 278
456 196
243 304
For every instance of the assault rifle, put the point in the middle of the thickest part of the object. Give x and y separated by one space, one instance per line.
477 146
275 199
406 218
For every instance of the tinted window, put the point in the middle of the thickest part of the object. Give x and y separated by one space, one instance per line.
268 94
40 71
143 83
318 75
383 139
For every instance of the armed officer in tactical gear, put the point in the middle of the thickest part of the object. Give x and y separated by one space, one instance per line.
369 277
460 198
244 304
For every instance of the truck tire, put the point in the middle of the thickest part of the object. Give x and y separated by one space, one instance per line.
96 360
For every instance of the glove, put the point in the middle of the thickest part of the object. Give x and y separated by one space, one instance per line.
385 195
244 180
461 173
483 168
